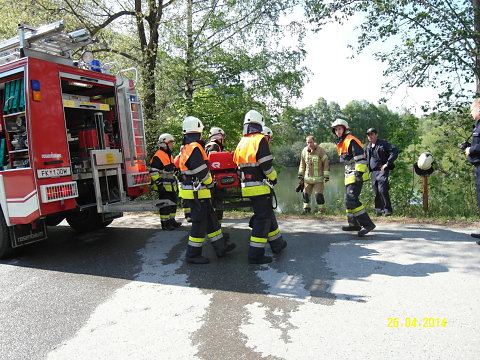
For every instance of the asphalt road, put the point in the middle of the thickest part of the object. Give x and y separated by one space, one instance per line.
125 292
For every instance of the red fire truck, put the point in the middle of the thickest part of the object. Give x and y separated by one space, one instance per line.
72 142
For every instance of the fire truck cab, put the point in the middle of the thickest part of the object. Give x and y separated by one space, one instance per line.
72 142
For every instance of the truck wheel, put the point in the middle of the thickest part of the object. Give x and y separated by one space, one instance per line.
105 224
54 220
5 246
84 221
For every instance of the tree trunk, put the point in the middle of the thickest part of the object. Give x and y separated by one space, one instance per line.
476 29
149 46
189 87
149 98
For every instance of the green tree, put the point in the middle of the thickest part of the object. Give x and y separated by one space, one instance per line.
425 42
313 120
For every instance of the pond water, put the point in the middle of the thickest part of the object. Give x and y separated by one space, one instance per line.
290 201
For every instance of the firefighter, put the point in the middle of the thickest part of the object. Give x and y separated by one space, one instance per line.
313 172
195 185
258 177
472 150
215 142
351 153
162 174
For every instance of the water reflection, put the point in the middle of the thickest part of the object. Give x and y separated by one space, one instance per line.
290 201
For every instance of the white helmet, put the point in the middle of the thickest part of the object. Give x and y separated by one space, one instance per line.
341 122
267 131
425 161
191 124
253 117
217 132
165 139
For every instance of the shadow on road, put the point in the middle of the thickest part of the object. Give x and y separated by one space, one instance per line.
300 272
305 272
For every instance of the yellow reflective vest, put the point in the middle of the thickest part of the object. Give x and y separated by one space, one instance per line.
167 177
353 162
191 186
250 164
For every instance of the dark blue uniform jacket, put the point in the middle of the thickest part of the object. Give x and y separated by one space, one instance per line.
382 153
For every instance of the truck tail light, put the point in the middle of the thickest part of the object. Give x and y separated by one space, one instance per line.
138 179
59 191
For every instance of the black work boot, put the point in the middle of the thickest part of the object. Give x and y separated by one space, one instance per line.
278 245
221 247
477 236
351 228
167 225
175 223
365 230
366 223
257 256
353 224
306 204
194 255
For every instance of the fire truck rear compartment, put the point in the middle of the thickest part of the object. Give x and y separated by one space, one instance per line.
91 121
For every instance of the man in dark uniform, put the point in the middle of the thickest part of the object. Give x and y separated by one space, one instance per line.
473 150
195 184
351 153
254 159
380 157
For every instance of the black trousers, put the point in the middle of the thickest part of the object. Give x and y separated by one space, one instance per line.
477 170
167 212
356 213
204 222
352 196
381 188
264 221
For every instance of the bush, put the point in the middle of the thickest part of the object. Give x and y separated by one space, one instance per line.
288 154
331 150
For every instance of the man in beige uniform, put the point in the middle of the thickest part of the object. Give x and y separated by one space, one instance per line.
314 171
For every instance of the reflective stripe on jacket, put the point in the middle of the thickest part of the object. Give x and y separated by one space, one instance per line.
193 187
165 174
212 147
314 165
351 153
255 166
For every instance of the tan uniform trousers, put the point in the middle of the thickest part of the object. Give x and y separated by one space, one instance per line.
316 187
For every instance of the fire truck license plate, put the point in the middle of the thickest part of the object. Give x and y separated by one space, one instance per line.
55 172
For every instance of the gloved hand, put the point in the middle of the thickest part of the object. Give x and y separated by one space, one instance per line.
326 179
274 181
211 185
158 182
358 176
299 187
